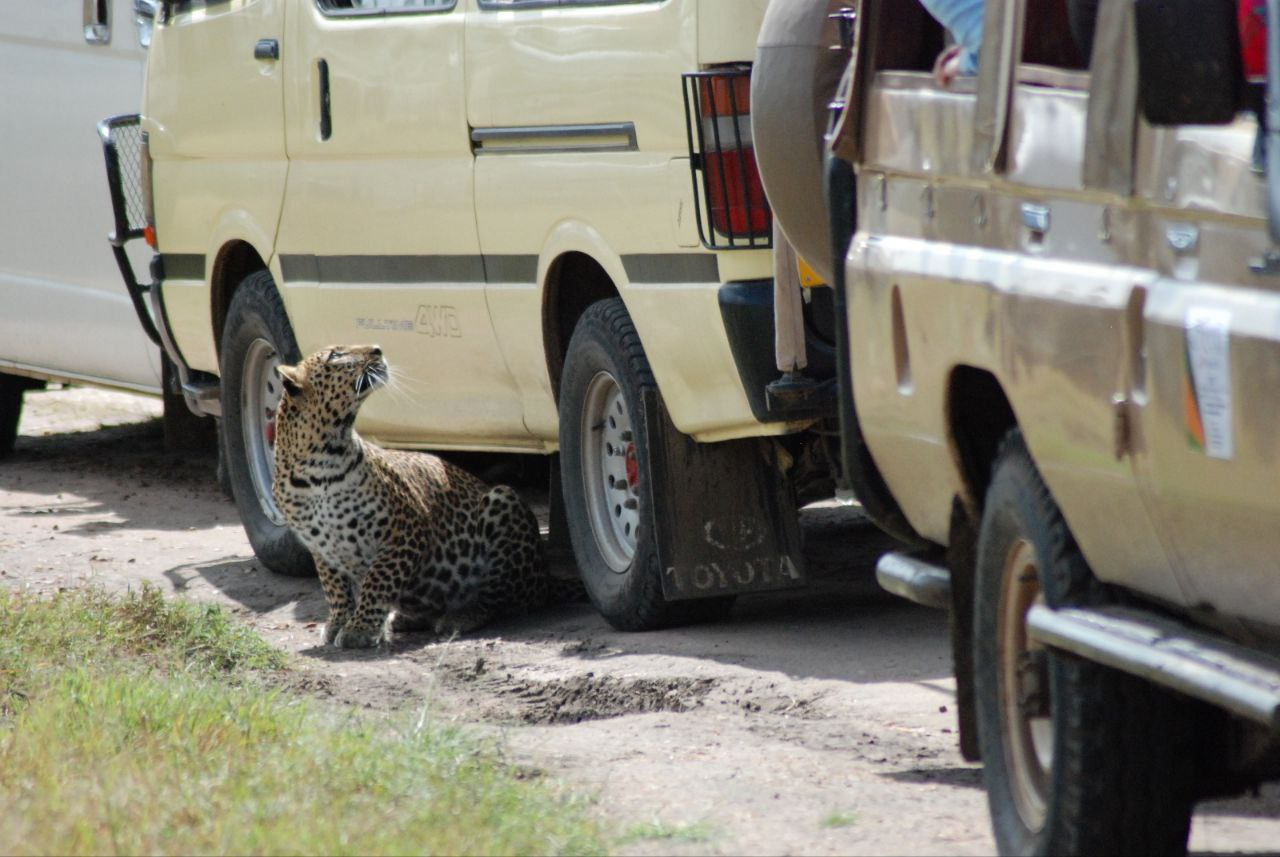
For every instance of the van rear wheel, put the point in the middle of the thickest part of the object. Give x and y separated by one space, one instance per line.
1077 758
604 466
256 339
604 451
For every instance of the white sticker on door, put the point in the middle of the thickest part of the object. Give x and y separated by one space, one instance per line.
1208 388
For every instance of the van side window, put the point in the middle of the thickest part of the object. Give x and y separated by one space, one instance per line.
542 4
374 6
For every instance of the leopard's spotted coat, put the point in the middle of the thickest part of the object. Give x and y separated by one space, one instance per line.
393 532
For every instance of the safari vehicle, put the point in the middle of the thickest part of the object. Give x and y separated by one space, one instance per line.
558 250
1058 321
65 317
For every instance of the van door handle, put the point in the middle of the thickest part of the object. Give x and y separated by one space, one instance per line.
326 116
266 49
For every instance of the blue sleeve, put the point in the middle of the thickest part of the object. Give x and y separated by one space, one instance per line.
964 19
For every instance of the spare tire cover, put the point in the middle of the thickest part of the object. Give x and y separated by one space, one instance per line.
794 79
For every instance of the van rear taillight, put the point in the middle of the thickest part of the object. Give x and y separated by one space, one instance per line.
728 195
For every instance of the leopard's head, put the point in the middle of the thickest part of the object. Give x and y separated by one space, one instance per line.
324 391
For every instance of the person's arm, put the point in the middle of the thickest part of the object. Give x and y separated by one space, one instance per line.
963 18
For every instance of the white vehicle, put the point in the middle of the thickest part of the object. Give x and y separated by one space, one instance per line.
66 64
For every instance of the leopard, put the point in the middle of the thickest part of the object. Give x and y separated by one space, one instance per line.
402 540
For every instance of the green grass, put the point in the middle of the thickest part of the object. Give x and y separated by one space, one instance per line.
658 831
136 724
839 818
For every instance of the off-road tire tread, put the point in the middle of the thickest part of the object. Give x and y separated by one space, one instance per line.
1123 773
275 546
640 605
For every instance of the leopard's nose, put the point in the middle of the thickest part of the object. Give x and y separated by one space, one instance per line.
376 352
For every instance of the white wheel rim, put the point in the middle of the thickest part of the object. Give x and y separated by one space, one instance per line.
259 397
1024 689
610 471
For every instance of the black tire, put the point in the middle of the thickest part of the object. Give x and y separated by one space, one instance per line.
255 338
620 571
184 431
1105 763
12 388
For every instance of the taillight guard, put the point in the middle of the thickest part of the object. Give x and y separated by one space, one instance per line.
729 200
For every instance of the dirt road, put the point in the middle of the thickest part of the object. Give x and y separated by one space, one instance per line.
815 722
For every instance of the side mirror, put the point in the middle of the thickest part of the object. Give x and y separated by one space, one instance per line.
1189 66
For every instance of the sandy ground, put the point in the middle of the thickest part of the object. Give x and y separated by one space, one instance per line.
814 722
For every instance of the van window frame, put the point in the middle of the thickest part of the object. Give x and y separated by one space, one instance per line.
330 12
508 5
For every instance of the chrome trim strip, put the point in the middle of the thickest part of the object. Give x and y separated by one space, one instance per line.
549 139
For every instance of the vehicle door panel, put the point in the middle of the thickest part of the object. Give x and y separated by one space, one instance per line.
540 72
378 237
220 156
1211 455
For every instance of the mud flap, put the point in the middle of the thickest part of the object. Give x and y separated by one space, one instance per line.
726 520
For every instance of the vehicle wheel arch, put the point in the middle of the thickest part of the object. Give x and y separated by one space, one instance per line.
235 260
978 416
574 281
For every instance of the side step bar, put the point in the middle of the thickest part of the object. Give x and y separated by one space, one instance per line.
1169 653
915 578
205 393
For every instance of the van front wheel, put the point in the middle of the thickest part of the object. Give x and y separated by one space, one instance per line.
255 340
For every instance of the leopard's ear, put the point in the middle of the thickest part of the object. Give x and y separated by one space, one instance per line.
295 383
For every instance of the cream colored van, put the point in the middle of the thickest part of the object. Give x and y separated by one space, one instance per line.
1058 286
546 213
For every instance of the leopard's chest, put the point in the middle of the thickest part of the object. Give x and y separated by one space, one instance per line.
344 524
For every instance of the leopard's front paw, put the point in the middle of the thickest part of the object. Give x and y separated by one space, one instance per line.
354 638
338 619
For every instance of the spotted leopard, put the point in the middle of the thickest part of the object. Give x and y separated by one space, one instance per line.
393 533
